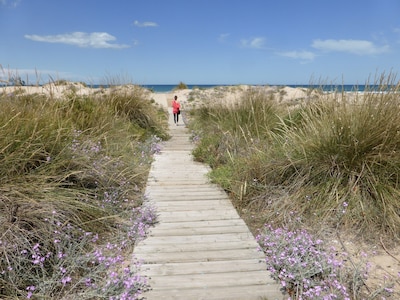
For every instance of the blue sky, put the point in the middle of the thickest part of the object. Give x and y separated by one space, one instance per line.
200 42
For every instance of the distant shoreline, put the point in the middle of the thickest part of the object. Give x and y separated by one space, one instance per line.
168 88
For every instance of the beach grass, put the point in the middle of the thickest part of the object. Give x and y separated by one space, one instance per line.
324 154
329 165
72 173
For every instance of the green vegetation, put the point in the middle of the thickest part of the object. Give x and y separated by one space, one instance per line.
72 173
181 86
328 165
310 161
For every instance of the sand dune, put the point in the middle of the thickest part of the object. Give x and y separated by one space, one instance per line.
188 97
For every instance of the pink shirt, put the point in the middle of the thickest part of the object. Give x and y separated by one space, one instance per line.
175 107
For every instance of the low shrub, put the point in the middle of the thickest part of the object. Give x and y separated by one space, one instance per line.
72 177
301 264
310 268
181 86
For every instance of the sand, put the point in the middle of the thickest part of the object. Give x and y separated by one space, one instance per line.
187 97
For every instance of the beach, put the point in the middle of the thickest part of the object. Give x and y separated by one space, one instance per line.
187 97
382 261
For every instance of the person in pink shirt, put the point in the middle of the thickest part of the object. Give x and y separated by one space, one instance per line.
176 110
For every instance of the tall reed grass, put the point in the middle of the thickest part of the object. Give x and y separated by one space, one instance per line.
72 172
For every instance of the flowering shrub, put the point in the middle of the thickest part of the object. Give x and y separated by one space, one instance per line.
309 271
59 258
71 208
302 265
74 261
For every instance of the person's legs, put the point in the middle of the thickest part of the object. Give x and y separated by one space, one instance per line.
175 115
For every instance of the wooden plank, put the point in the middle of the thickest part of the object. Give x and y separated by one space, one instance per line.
195 206
160 231
207 238
191 224
183 182
201 255
193 247
183 195
189 203
202 189
200 248
249 292
205 280
188 268
202 215
189 191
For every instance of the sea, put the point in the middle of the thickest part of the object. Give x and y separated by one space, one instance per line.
166 88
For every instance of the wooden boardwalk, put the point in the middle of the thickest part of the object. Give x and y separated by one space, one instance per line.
201 248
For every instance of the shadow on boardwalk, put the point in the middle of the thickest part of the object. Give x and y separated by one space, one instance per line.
201 248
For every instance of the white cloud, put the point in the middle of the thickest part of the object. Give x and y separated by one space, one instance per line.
10 3
303 55
145 24
360 47
223 36
256 43
80 39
